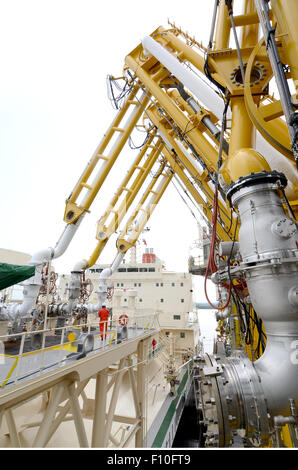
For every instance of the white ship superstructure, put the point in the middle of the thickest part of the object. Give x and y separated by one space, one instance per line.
143 287
159 308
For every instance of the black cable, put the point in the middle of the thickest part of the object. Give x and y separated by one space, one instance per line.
178 132
249 314
137 147
288 204
209 76
231 219
124 91
259 326
239 313
240 305
191 211
190 146
223 128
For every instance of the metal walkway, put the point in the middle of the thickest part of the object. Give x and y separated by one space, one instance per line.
60 373
20 362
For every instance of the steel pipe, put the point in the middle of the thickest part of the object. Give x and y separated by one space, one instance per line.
198 88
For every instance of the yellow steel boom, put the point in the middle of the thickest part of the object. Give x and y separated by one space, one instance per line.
211 121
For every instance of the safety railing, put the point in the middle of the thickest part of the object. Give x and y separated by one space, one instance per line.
194 261
24 355
197 265
154 353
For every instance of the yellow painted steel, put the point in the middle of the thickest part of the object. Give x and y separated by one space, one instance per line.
286 436
208 152
71 336
286 15
242 129
195 119
73 210
10 372
104 232
242 163
223 27
250 31
184 169
266 115
145 208
189 54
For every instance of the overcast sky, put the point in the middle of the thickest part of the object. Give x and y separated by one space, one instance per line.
54 110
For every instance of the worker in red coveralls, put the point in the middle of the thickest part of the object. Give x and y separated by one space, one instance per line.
103 314
153 345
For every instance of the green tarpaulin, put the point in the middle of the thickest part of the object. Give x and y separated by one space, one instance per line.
11 274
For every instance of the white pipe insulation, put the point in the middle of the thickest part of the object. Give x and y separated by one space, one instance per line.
33 284
102 283
75 284
47 254
278 162
212 101
201 90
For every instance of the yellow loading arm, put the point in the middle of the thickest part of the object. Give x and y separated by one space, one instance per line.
145 208
101 163
204 150
178 160
189 148
126 193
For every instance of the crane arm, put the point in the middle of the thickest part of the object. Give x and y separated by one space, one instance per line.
126 193
196 181
145 208
221 169
101 162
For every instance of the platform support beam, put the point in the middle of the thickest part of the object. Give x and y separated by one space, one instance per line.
44 429
114 400
139 437
60 393
77 415
63 412
12 428
98 430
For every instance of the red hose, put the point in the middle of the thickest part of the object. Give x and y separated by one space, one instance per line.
211 263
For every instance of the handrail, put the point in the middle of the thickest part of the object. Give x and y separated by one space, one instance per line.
71 336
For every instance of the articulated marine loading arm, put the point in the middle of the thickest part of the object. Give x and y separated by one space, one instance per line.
210 122
160 155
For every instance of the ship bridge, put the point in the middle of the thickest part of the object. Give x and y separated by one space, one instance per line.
60 367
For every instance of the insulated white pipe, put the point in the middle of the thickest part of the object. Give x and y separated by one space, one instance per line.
201 90
213 102
102 283
13 310
278 162
47 254
74 292
33 284
80 265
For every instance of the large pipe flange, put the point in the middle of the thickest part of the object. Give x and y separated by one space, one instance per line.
214 409
232 402
246 400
